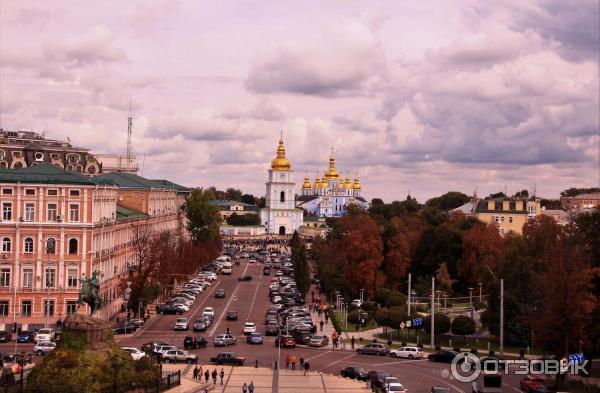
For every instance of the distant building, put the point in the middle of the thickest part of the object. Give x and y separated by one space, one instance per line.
560 216
314 227
227 208
22 149
581 202
509 214
117 163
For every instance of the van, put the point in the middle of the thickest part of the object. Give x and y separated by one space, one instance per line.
227 268
224 258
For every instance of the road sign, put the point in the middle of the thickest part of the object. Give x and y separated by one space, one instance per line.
402 325
576 358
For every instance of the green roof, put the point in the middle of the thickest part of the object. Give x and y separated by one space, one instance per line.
129 180
224 203
170 184
49 174
125 213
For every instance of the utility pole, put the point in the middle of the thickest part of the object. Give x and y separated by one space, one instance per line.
480 293
409 284
501 317
432 312
471 302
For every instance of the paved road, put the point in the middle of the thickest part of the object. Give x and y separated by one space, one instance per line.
250 299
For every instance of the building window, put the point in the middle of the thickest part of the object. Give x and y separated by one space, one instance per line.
502 219
282 197
510 219
496 218
27 278
4 307
50 277
25 308
5 277
28 245
74 192
29 212
7 191
71 307
7 211
52 192
30 191
73 243
73 213
6 244
52 212
48 308
51 246
72 278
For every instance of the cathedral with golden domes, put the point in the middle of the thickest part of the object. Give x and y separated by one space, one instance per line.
327 197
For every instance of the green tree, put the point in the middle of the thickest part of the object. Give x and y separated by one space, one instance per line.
448 201
249 199
233 194
201 214
300 263
389 298
463 326
574 191
442 324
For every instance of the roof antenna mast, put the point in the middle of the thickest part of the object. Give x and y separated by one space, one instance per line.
129 131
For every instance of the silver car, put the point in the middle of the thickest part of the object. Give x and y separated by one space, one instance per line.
44 347
223 340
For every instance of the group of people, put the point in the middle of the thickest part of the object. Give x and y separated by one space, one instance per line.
293 359
197 374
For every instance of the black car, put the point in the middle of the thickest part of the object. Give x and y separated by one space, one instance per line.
302 336
149 346
168 309
272 330
5 337
194 342
200 325
125 329
245 277
442 357
377 378
7 357
354 373
232 315
220 293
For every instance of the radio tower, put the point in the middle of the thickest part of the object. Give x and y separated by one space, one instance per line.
129 130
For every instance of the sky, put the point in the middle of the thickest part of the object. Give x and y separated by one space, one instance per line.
422 97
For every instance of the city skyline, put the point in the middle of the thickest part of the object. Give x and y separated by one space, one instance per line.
421 97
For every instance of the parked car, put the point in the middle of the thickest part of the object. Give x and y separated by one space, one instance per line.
160 349
200 325
178 355
374 349
442 357
43 347
354 373
228 358
5 337
249 327
126 328
285 342
407 352
254 338
272 329
25 336
45 334
194 342
531 382
245 277
164 309
182 324
377 378
220 293
208 312
232 315
136 354
223 340
318 341
151 346
395 387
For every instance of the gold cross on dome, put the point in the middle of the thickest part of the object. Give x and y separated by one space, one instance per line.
331 148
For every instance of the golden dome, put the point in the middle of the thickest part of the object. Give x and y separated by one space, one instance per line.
347 183
356 184
280 163
306 184
332 173
324 182
317 183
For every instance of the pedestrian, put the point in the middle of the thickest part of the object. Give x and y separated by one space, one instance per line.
206 375
227 331
287 361
301 361
214 376
222 374
321 324
333 336
293 359
352 342
251 387
326 318
306 367
244 388
195 373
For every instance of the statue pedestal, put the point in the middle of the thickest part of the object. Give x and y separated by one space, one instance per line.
92 329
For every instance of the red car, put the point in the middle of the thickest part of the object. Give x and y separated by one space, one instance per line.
530 382
285 342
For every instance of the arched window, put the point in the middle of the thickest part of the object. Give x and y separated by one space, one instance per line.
28 245
73 245
6 243
18 165
282 196
51 246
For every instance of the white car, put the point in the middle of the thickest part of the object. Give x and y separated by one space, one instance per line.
136 354
208 312
182 324
407 352
43 347
396 388
45 334
249 327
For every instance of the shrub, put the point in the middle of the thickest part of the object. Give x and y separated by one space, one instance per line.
353 316
403 344
456 349
474 351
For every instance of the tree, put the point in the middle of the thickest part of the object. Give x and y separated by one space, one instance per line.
522 194
448 201
249 199
463 326
201 214
442 324
573 191
439 244
402 236
442 276
389 297
482 251
233 194
300 263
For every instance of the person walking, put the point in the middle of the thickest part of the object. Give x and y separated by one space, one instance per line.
222 374
251 387
244 388
214 376
352 342
293 360
206 375
287 361
326 318
301 361
321 324
195 373
306 367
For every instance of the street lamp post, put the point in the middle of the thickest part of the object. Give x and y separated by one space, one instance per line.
362 295
480 292
471 302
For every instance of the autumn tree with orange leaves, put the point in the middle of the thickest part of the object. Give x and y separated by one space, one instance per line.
482 251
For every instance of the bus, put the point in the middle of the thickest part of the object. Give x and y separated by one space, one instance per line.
227 268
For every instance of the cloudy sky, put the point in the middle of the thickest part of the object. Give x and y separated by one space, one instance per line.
426 96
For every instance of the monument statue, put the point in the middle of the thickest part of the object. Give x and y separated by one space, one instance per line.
89 293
